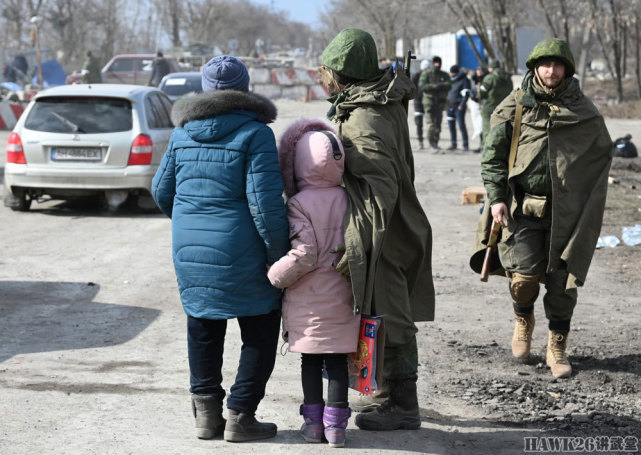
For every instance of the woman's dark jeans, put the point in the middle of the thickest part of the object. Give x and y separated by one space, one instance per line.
205 343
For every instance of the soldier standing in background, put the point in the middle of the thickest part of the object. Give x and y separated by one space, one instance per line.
494 87
91 70
434 85
419 111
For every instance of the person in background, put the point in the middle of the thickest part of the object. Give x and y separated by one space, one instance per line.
457 106
388 238
475 105
318 317
159 69
496 85
16 71
91 70
220 184
419 111
551 201
434 84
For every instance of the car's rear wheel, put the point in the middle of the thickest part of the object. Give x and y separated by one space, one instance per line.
24 203
19 202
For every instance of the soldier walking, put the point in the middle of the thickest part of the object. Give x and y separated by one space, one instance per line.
548 191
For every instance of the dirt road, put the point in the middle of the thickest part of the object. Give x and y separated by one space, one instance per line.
93 350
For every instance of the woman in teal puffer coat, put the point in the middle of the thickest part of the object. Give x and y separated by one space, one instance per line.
220 183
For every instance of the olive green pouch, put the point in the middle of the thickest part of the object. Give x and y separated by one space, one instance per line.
534 205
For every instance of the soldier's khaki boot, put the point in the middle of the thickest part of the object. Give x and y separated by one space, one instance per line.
522 337
556 357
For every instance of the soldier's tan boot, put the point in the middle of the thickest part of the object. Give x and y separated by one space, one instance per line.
522 337
556 357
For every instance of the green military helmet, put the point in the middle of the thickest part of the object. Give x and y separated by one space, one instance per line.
553 47
493 63
352 53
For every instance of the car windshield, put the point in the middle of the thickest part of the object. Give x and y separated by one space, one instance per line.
88 115
177 86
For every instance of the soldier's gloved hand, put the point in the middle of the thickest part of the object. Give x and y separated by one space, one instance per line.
342 266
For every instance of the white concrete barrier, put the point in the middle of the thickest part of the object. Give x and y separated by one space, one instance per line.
289 83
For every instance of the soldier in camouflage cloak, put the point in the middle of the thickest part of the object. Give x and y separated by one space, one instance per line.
551 202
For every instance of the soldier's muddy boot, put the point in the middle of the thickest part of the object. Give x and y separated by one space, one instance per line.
398 412
522 337
420 144
242 426
556 358
208 411
368 403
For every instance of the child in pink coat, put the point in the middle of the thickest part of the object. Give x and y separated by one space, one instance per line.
318 318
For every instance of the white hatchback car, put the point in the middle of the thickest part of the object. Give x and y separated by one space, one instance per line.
81 140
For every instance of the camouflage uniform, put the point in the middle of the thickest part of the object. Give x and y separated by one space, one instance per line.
388 238
493 89
434 84
92 68
555 195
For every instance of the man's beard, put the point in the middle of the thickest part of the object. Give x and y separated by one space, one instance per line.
551 82
546 87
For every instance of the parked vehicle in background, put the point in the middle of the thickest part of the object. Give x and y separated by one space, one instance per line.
133 68
176 85
83 140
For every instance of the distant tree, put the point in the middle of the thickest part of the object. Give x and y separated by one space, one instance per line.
495 23
386 21
15 16
66 24
217 22
568 20
108 29
558 17
204 19
171 14
610 21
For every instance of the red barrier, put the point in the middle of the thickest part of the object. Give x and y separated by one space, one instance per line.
9 114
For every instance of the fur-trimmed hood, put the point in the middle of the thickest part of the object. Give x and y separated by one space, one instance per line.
210 104
287 149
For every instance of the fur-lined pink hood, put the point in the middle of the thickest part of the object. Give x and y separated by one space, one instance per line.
287 149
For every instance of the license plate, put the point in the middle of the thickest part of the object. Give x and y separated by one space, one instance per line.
76 154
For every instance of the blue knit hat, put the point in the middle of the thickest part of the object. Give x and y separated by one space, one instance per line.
225 73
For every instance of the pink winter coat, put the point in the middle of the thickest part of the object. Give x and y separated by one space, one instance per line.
317 305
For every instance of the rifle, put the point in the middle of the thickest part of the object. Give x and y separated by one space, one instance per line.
406 67
491 246
408 61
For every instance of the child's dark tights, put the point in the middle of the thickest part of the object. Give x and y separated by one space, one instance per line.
312 377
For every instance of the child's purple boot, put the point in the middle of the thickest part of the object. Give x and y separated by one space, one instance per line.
312 429
335 421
